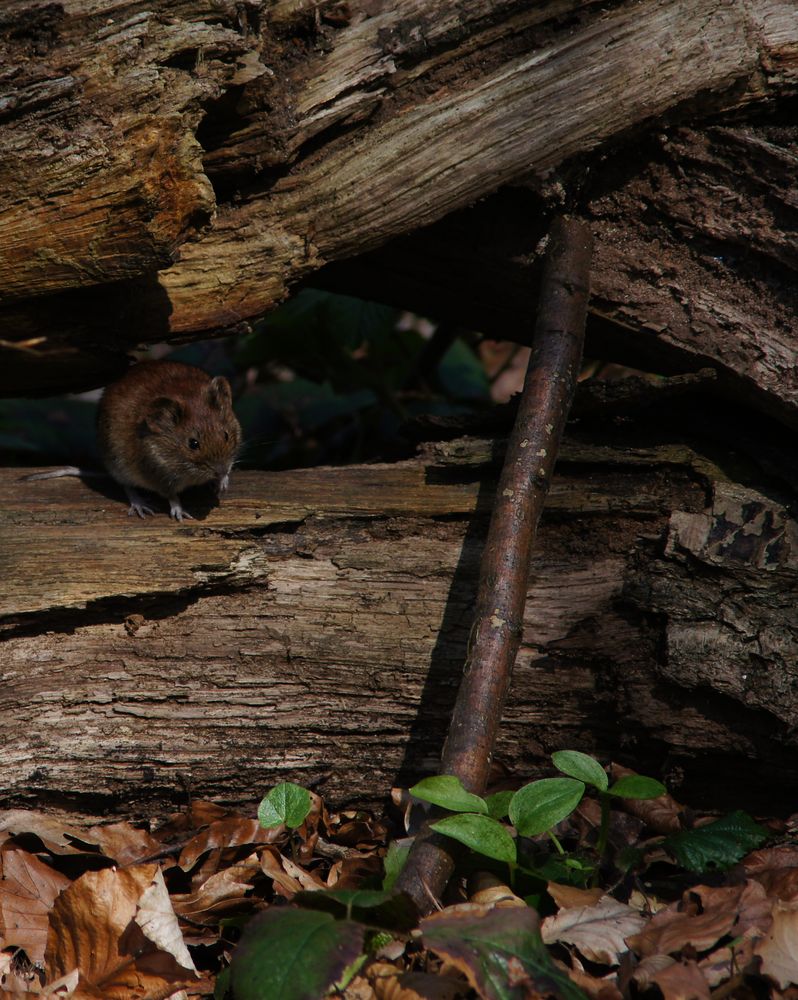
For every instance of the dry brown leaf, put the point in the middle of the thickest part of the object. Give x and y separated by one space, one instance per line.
604 988
224 892
271 863
226 833
598 931
779 947
27 891
198 815
124 843
776 868
350 873
485 889
306 879
156 918
569 896
721 963
390 984
56 835
661 814
117 928
701 918
649 967
682 981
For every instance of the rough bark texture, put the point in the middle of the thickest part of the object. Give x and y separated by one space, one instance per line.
314 627
171 169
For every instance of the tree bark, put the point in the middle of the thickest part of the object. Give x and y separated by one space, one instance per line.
171 170
313 627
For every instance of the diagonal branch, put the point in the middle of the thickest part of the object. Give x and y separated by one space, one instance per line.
504 573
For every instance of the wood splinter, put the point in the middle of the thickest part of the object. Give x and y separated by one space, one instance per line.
504 572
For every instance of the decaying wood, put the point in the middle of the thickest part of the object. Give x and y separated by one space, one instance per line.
694 264
314 627
171 169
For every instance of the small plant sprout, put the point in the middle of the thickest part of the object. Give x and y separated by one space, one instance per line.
534 809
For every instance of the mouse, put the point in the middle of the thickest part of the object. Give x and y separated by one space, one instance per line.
165 426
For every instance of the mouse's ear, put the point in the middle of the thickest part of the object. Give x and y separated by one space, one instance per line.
162 414
219 395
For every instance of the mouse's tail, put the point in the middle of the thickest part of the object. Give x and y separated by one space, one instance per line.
67 470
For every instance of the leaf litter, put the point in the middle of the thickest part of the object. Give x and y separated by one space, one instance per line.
156 910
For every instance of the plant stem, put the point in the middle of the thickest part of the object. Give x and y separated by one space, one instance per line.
556 841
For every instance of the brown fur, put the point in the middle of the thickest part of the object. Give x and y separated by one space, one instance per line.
148 420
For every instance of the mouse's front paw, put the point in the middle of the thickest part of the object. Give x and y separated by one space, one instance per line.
138 505
176 510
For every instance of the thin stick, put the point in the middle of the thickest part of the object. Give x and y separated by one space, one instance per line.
504 572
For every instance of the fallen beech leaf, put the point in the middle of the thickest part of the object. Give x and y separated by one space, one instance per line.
735 955
156 918
650 967
305 879
598 931
725 910
776 868
124 843
779 948
199 814
222 893
28 889
93 929
662 814
487 889
569 896
271 863
231 832
596 988
497 950
682 981
56 835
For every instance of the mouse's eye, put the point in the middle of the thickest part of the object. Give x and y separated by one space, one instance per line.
193 444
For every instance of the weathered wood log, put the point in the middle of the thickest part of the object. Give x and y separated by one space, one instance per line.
314 626
172 169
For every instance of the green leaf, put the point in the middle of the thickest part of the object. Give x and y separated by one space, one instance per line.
581 766
374 907
541 805
462 374
480 833
501 953
636 786
222 986
447 791
499 804
394 863
717 845
288 954
285 803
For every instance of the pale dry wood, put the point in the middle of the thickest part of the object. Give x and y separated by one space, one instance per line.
336 139
291 636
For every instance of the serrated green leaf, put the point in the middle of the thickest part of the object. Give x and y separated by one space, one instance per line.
481 833
288 954
447 791
501 952
717 845
636 786
286 803
541 805
499 804
581 766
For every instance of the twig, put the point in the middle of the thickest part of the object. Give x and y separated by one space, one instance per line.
504 572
